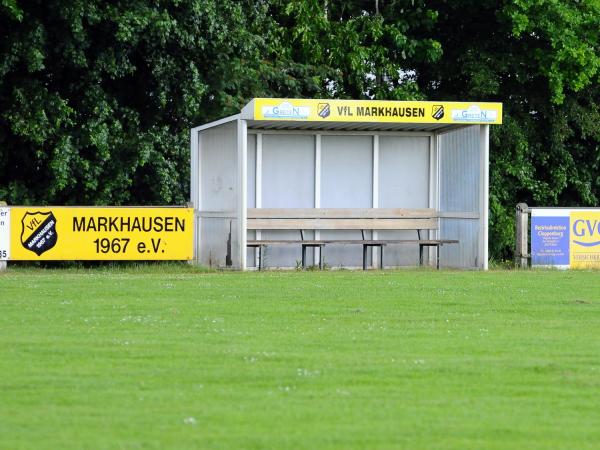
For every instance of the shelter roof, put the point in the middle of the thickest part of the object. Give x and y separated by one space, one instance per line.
363 115
367 115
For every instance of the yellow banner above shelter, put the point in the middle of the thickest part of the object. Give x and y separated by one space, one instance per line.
372 111
98 233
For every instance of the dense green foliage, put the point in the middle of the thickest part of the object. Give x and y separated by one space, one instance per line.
97 98
542 60
172 359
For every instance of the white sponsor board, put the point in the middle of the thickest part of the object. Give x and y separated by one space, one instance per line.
286 110
474 114
4 233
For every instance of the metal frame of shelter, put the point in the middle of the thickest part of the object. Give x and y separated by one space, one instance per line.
329 153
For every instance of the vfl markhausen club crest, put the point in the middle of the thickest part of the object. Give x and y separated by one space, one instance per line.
38 232
437 112
323 110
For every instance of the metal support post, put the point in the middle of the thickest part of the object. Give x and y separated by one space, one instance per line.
4 264
522 235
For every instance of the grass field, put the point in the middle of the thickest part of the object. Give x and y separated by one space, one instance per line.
168 357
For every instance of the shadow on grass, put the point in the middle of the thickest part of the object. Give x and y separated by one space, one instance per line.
110 266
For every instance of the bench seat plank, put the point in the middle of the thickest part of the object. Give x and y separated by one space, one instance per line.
351 241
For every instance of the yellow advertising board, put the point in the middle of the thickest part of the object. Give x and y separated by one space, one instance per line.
100 233
377 111
585 239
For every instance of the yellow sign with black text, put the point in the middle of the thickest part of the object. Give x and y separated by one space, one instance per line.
584 245
377 111
101 233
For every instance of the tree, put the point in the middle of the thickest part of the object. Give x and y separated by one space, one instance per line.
97 98
358 49
542 60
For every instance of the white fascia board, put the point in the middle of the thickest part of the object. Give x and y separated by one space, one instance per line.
248 111
216 123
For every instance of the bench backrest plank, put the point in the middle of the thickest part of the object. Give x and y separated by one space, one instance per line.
342 219
342 224
341 213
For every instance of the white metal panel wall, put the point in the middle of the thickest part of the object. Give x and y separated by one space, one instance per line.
403 183
465 254
346 182
218 157
251 171
288 181
218 163
460 190
213 240
251 190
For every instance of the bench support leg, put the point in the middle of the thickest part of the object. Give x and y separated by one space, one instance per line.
365 247
321 256
303 256
305 246
437 254
260 260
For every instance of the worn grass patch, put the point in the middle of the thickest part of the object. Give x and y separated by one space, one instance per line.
168 357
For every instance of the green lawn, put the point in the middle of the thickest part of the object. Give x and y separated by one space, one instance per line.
168 357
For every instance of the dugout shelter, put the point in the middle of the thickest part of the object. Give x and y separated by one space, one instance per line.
305 153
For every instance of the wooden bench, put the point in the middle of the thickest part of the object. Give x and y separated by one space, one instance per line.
371 219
